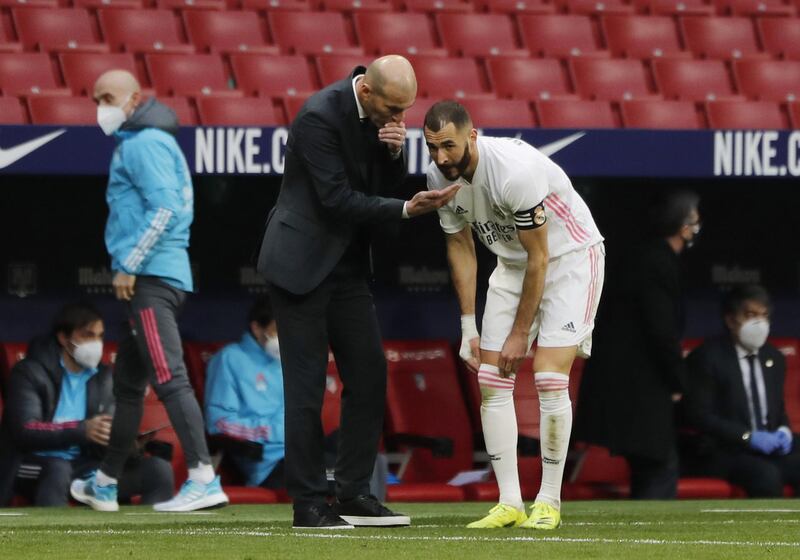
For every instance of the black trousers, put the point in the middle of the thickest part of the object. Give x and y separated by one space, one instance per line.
339 313
653 479
762 476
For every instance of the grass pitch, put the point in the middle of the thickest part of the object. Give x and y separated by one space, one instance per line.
687 530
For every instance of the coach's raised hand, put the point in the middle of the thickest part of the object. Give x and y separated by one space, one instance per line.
393 134
428 201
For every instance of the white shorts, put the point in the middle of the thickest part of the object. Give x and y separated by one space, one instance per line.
569 303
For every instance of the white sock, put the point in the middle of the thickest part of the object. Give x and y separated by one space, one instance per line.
499 421
102 479
202 473
554 430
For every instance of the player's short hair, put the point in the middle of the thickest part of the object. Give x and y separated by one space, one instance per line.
734 300
74 316
261 311
671 211
445 112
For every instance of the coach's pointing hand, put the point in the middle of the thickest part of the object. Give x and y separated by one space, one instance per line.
427 201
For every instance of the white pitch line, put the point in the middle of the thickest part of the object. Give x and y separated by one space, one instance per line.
161 513
9 514
770 510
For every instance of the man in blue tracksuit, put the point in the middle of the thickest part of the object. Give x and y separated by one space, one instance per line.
150 201
244 397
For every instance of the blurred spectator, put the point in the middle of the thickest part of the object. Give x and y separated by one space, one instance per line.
636 374
735 399
57 418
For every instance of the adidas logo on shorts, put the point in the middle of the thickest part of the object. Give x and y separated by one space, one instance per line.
460 210
569 327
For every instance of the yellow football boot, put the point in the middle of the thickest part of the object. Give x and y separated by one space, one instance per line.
500 516
543 517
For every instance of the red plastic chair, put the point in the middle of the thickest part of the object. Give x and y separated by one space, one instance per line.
529 78
484 35
143 31
82 70
45 109
183 110
794 114
273 76
434 6
780 36
28 74
7 45
610 79
250 111
559 113
11 111
642 36
500 113
596 7
109 4
770 8
277 5
404 33
768 80
10 354
356 6
174 74
196 356
415 116
745 115
227 32
647 113
560 35
720 37
311 33
334 68
693 80
674 7
59 29
183 5
448 77
292 105
790 348
29 3
514 7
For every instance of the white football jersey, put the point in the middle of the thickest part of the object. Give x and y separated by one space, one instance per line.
511 183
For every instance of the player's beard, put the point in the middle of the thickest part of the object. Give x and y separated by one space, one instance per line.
456 170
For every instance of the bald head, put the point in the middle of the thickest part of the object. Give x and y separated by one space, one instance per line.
388 89
117 88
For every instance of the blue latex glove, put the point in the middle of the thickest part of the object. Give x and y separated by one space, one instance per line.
785 441
764 442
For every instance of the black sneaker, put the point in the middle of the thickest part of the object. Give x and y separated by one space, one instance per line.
367 511
318 516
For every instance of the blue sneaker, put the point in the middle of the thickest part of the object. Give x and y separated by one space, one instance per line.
100 498
195 495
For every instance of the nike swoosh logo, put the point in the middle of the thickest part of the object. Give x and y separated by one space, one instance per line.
558 145
12 155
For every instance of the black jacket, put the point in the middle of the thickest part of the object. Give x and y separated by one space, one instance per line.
33 391
636 364
716 401
335 169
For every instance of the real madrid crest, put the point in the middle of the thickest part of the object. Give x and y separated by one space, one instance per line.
539 216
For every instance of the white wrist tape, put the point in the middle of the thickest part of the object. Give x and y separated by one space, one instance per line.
469 330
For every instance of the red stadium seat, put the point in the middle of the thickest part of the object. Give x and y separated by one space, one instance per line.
794 114
108 4
528 78
59 109
183 5
448 77
674 7
6 43
790 348
755 8
560 113
641 36
611 79
292 105
415 116
597 7
272 76
514 7
500 113
59 29
196 356
334 68
12 111
560 35
227 32
332 401
311 33
183 110
745 114
397 33
780 36
82 70
174 74
277 5
27 74
598 475
154 417
356 6
431 6
720 37
693 80
143 31
648 113
10 354
768 80
29 3
250 111
478 35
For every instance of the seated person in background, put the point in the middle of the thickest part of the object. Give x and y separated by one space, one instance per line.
244 397
735 400
57 418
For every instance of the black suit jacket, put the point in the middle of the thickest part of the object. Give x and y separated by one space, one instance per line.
333 173
716 399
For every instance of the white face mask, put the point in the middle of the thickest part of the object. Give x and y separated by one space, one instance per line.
753 333
88 354
110 118
272 347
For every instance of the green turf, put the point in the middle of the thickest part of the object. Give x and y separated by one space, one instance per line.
685 530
